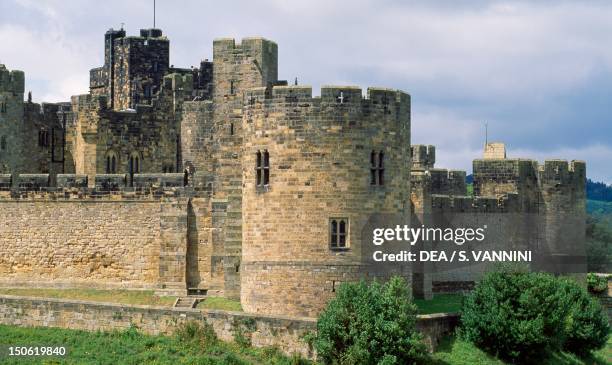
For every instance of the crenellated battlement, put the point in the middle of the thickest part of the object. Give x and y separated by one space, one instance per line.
246 44
11 81
336 104
507 203
423 156
75 186
526 171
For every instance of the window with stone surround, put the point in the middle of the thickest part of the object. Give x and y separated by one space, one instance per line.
338 233
111 163
377 168
262 168
134 163
43 138
3 107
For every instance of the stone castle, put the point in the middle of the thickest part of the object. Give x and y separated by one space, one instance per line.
223 179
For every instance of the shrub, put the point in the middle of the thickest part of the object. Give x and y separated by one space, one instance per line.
586 325
596 284
524 316
370 324
516 316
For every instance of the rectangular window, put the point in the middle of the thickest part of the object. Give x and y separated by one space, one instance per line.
338 233
262 168
377 168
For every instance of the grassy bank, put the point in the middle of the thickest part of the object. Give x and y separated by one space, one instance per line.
131 347
441 303
453 351
138 297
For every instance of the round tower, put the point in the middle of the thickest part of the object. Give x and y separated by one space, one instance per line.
315 171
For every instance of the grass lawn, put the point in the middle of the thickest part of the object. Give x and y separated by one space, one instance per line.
456 352
141 297
131 347
220 303
440 303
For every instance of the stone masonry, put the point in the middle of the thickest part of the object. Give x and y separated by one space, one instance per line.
224 179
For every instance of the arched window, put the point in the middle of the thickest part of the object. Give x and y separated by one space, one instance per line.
377 168
111 162
134 165
338 233
262 168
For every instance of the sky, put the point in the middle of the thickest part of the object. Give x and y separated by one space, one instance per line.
538 73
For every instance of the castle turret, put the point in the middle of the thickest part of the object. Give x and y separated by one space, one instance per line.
316 170
133 69
11 120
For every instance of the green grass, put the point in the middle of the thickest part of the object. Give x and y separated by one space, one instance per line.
453 351
220 303
132 347
140 297
470 189
440 303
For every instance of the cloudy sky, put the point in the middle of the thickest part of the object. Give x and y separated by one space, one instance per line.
539 73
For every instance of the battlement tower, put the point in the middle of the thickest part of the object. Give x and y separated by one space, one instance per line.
11 120
134 67
315 170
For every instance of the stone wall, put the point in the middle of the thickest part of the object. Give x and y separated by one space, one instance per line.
285 333
57 239
11 120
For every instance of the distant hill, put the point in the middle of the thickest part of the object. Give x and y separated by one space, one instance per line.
598 207
598 191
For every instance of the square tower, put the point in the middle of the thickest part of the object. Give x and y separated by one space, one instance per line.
133 69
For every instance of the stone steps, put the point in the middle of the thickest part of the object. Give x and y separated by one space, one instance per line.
185 302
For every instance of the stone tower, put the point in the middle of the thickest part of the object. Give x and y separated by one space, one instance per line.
11 120
315 171
133 69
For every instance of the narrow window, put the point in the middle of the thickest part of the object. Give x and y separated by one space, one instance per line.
231 129
113 164
3 143
373 168
232 87
338 233
266 168
381 168
258 168
377 168
108 164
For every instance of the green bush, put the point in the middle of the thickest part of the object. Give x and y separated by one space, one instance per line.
596 284
523 317
370 324
586 324
515 316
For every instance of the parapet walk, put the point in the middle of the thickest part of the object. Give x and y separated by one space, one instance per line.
165 182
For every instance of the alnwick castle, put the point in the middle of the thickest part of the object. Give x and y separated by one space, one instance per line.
224 180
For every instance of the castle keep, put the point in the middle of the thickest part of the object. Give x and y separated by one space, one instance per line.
223 179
